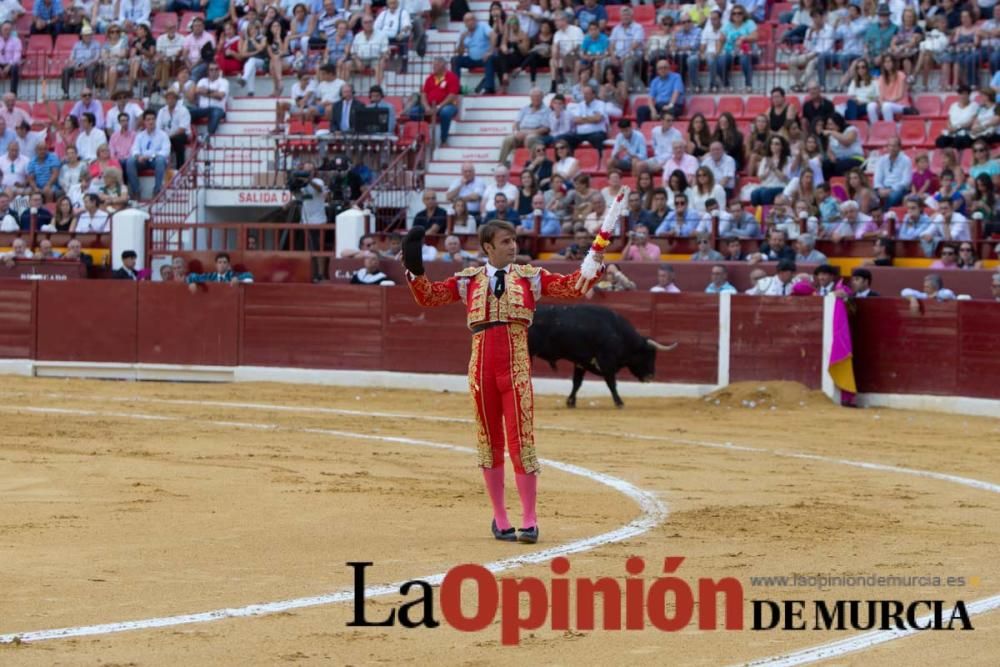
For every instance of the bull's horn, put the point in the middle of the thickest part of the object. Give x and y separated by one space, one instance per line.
660 346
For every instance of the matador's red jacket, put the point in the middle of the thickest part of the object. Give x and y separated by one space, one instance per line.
499 366
525 284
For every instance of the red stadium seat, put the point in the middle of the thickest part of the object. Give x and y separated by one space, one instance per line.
935 129
838 187
614 14
64 43
756 106
929 106
643 14
950 100
912 132
702 105
732 104
862 127
639 102
588 159
521 156
880 133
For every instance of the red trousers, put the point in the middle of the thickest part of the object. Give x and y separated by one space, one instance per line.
500 383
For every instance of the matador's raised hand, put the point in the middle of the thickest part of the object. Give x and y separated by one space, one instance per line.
413 251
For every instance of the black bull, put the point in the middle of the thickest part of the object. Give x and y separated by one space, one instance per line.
594 339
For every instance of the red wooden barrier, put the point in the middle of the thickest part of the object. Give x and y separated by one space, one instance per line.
17 320
772 337
306 326
85 320
177 327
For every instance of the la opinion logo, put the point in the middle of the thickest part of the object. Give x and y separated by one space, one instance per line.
643 605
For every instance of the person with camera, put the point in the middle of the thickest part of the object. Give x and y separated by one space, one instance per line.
639 248
312 192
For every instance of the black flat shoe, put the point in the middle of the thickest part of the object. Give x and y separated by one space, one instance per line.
527 535
509 535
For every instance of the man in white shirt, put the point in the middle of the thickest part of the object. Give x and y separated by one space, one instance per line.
627 41
893 174
90 138
122 105
947 225
663 139
10 10
530 16
213 95
175 120
781 283
467 187
722 166
133 12
590 121
169 54
92 220
394 24
501 185
151 148
818 50
369 50
327 90
933 289
709 50
15 171
565 46
531 125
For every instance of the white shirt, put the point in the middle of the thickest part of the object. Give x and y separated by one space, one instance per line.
134 11
329 91
390 24
154 144
959 117
723 170
171 48
582 109
777 288
697 199
663 142
298 91
133 110
10 10
489 196
87 144
491 273
710 38
474 187
169 122
958 227
220 85
14 171
627 40
369 48
98 223
820 41
314 208
567 41
529 19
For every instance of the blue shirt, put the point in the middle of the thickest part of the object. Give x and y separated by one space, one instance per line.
42 171
216 9
593 46
392 114
636 146
585 16
683 227
550 224
726 287
755 8
5 138
477 43
47 12
662 88
732 33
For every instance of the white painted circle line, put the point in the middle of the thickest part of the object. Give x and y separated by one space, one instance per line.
653 512
821 652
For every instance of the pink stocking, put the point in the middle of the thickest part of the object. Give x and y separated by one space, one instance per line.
494 487
527 488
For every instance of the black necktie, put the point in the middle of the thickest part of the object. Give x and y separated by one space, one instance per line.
499 287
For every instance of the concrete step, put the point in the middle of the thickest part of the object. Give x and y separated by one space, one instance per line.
251 116
455 168
495 128
508 102
490 115
473 141
465 155
438 181
227 128
258 103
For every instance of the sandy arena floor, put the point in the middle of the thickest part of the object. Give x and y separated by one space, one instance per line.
126 501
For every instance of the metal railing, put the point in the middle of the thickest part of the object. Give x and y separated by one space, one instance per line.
246 237
388 196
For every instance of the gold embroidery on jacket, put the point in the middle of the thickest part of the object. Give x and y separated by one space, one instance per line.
483 448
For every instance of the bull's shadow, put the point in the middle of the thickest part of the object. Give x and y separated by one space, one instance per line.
596 340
